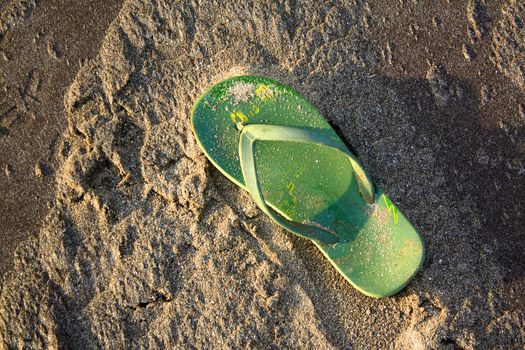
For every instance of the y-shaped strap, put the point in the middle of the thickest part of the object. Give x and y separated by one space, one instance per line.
262 132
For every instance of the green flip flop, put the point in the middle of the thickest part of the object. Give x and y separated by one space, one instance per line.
270 141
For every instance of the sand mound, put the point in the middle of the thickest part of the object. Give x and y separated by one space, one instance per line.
148 246
509 42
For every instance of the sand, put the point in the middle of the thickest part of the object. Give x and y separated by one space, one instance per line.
42 46
147 245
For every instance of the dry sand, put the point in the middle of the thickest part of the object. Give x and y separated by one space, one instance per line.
146 245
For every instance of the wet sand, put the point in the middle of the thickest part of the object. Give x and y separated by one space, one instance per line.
42 48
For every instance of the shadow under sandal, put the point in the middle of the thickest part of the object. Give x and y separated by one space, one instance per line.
270 141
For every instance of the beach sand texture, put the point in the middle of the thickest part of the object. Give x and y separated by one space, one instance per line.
147 245
42 46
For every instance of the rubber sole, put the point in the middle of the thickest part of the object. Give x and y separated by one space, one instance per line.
379 251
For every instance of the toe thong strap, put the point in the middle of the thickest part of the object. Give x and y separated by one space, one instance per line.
250 134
